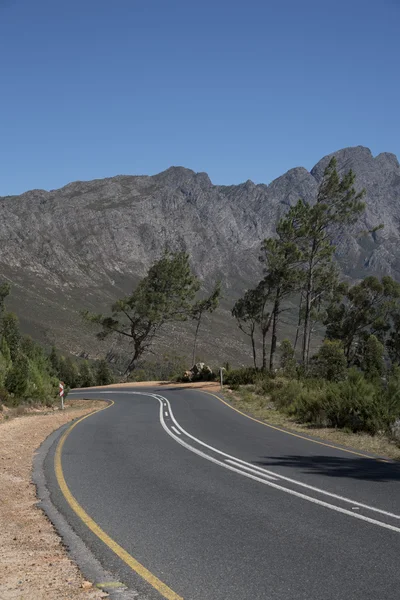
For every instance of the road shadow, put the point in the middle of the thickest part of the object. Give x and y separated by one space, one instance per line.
368 469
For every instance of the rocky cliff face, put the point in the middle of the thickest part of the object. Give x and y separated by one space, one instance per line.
87 243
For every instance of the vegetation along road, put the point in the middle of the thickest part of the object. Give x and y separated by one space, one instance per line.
181 496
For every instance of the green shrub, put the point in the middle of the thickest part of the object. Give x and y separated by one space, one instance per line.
104 375
310 407
354 404
4 396
168 367
372 362
288 362
16 381
285 394
264 384
86 375
330 362
243 376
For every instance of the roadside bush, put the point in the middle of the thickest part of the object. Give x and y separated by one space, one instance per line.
4 396
288 363
16 381
372 362
243 376
104 375
354 404
310 407
330 362
168 367
285 394
264 384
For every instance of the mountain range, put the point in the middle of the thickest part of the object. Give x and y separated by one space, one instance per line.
88 243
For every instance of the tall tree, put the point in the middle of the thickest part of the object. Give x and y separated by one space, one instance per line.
362 310
393 341
16 381
252 316
54 361
281 258
4 292
164 295
11 333
202 307
317 226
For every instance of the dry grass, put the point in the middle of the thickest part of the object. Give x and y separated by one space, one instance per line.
262 408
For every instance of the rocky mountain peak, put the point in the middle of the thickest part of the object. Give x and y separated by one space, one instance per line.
87 243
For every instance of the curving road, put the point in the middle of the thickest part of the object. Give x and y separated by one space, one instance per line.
187 498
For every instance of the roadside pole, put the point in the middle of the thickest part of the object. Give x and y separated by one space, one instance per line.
221 376
61 387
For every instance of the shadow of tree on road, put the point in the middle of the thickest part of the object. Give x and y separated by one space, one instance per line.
368 469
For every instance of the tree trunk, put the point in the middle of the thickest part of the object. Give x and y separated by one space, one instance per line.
253 346
298 323
195 341
132 365
275 314
264 352
307 319
308 342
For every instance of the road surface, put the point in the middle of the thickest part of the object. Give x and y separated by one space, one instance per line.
187 498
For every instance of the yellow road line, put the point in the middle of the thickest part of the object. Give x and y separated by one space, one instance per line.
303 437
136 566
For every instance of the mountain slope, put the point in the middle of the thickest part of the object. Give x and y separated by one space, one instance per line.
87 243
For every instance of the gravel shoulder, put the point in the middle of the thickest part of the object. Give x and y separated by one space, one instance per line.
33 560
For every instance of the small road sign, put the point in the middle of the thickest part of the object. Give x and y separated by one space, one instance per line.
61 387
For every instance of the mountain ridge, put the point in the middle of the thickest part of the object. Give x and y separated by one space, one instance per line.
87 243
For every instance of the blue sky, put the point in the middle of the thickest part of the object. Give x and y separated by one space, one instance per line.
240 89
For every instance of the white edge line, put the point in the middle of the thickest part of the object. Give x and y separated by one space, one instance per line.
161 399
283 477
235 464
275 485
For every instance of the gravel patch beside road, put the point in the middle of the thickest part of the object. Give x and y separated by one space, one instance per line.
33 560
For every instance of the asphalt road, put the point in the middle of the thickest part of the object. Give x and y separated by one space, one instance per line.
218 506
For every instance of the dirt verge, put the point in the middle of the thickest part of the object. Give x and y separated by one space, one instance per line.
33 562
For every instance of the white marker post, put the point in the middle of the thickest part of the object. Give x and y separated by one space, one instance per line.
61 387
221 375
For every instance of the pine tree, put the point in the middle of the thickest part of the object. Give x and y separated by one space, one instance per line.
280 257
362 310
164 295
252 316
11 333
330 362
54 361
317 226
202 307
16 381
